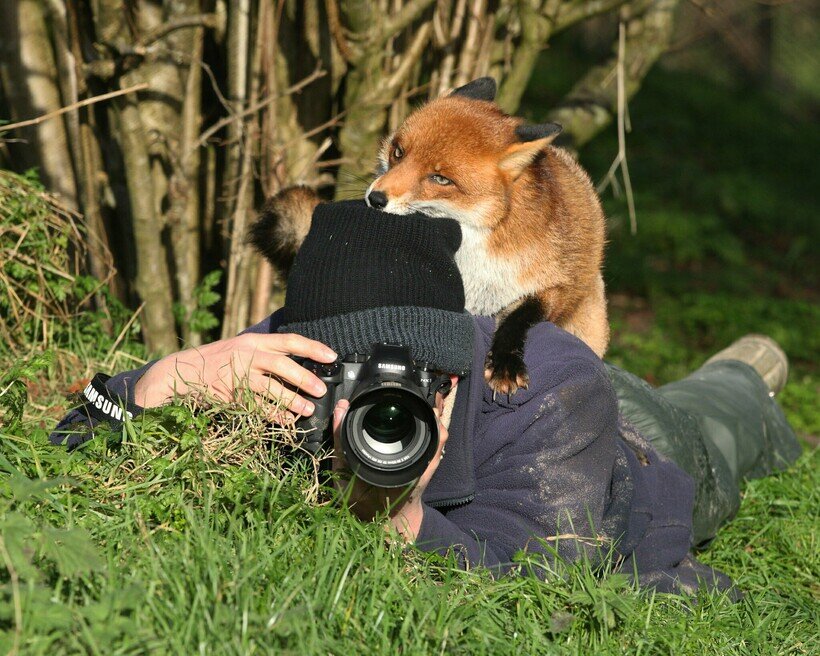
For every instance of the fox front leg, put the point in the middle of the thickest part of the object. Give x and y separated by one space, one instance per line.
504 368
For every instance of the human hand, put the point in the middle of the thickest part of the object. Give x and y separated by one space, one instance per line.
250 361
403 504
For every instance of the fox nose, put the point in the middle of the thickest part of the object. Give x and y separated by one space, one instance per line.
377 199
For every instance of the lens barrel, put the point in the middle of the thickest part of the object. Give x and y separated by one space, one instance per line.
389 435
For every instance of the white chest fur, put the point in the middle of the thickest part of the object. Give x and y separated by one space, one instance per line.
491 283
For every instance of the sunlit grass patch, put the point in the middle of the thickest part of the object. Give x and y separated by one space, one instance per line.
181 542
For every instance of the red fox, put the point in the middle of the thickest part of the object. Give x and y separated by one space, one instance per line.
533 227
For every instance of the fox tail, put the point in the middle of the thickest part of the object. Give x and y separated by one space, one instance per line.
283 224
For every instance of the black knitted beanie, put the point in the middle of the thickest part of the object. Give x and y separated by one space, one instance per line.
363 276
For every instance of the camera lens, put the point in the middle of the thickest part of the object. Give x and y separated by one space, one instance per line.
388 422
389 436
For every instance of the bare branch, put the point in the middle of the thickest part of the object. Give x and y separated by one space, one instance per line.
621 159
448 63
592 102
68 108
202 20
216 127
440 37
535 31
469 50
401 19
337 31
409 59
571 13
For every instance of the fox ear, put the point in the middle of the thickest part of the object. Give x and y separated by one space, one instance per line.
539 131
483 88
532 140
519 156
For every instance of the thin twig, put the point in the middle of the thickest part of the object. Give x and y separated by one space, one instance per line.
448 63
575 12
216 127
124 330
202 20
403 18
466 62
73 106
439 35
34 264
337 31
622 120
409 59
128 356
621 159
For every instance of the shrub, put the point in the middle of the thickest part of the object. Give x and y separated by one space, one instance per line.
44 286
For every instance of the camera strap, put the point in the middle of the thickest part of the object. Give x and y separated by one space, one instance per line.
102 404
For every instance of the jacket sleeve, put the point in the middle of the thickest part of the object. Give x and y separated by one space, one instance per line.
544 473
78 425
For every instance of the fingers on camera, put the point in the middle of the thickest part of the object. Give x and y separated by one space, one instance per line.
286 369
273 391
294 344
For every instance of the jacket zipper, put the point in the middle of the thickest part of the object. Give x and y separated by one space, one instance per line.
451 503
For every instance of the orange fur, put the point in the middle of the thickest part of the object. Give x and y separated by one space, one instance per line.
532 221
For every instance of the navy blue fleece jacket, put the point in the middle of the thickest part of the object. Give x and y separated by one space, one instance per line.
552 465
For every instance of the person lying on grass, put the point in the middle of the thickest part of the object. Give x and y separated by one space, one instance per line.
587 462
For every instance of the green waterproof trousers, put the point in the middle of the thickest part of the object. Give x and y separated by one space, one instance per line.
719 424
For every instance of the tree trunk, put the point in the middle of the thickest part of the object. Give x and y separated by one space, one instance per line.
370 91
29 77
183 214
153 278
535 32
234 188
84 149
592 103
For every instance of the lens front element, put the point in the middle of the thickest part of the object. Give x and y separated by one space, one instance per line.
388 422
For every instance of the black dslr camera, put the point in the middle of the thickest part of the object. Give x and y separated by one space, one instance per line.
389 434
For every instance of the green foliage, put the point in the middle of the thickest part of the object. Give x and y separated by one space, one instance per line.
200 317
175 549
726 204
184 531
36 556
13 391
45 299
89 329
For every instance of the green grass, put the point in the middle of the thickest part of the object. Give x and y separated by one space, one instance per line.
175 547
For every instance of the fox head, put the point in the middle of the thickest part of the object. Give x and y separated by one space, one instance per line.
457 157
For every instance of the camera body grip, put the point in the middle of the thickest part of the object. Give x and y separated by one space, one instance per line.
340 378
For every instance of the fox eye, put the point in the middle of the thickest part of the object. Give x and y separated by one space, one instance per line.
398 152
440 180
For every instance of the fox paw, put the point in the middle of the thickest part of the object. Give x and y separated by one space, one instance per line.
506 373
